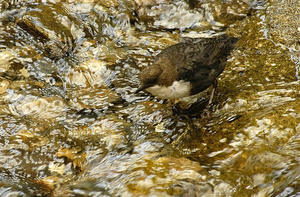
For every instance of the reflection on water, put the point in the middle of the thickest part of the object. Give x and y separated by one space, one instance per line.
72 124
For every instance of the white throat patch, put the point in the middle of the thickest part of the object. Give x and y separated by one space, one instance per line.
178 89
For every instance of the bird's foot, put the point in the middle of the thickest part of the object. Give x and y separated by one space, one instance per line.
206 113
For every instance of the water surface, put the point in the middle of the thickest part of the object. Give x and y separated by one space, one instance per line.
72 124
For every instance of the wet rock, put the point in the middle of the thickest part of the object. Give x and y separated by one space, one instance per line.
88 83
74 155
49 182
220 14
109 52
57 168
169 176
3 86
24 73
109 3
12 15
173 16
176 174
5 58
149 112
108 132
55 28
198 16
91 73
151 2
49 109
223 189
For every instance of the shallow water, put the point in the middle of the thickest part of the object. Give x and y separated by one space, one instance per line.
72 124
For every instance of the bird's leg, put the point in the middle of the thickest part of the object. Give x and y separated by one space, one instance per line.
213 92
206 112
175 106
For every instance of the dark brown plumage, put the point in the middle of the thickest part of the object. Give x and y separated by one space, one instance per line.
187 68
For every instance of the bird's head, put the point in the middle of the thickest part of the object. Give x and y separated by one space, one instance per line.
149 76
162 72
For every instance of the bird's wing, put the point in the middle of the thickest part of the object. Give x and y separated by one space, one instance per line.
198 61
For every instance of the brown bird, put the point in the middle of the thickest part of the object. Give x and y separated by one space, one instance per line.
187 68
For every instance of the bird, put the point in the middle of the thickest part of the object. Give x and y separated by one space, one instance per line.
187 68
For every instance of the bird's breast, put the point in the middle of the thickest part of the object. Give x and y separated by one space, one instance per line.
178 89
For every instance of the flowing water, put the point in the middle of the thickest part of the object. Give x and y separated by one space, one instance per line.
72 124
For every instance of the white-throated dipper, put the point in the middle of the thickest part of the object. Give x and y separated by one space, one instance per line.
187 68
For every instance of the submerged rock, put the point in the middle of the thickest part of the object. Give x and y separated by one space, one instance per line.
58 30
3 86
49 109
5 60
